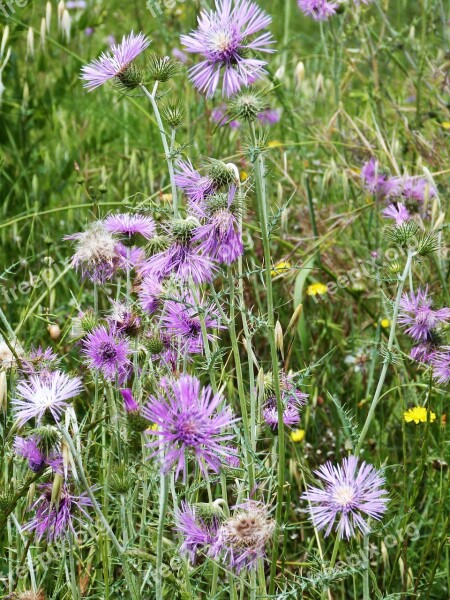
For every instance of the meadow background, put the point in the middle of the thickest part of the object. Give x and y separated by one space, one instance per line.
370 83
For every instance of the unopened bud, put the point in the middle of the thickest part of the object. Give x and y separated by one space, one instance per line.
30 42
279 338
54 332
299 74
295 318
48 15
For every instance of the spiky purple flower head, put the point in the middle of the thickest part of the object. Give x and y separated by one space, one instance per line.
398 212
413 191
32 449
319 10
196 186
293 400
423 352
129 225
223 38
183 258
441 365
374 181
113 63
108 352
149 293
182 317
196 533
351 492
190 424
55 519
220 236
124 318
38 396
39 361
418 316
242 539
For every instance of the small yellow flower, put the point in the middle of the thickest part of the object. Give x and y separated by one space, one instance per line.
243 176
154 427
418 414
446 124
275 144
298 435
281 267
316 289
385 323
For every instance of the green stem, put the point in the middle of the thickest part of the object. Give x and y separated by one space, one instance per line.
390 345
163 497
167 151
262 213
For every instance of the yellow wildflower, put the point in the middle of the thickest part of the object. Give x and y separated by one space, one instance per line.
446 124
385 323
243 176
316 289
275 144
281 267
418 414
297 435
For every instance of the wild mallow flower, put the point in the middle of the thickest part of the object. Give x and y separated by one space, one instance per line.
108 352
220 236
190 424
418 316
242 539
319 10
96 253
351 492
441 365
114 63
223 38
182 318
129 225
182 258
398 212
38 396
197 534
54 520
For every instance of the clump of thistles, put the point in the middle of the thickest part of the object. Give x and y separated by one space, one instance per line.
224 39
350 494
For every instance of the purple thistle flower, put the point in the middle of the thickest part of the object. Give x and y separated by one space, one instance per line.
220 236
412 190
108 352
39 361
374 181
129 402
196 533
124 319
423 352
242 539
190 424
183 319
270 116
55 519
222 38
182 258
293 400
398 212
417 314
218 115
130 257
319 10
28 448
130 225
196 186
149 293
441 365
39 396
114 62
350 494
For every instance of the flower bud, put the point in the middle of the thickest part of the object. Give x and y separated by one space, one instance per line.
299 74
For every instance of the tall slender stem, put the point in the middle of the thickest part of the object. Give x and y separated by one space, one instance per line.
163 496
262 212
167 150
390 345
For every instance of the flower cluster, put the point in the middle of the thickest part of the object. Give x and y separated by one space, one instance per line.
321 10
424 325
